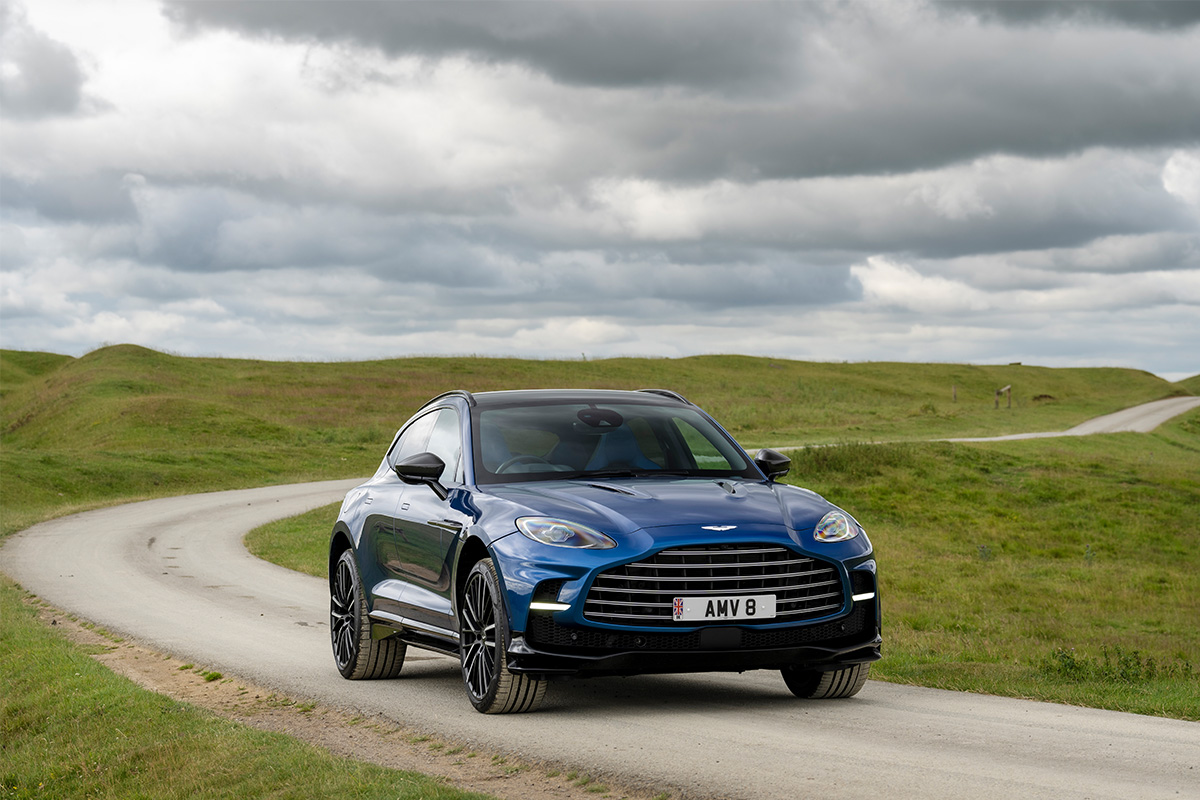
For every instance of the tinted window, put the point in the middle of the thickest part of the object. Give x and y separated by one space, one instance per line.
705 454
613 439
413 440
445 442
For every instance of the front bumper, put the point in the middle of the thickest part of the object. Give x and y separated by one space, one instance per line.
564 642
549 650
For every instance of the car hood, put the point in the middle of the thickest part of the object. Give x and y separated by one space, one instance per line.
627 505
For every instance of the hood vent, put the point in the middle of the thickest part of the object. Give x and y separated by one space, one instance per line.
608 487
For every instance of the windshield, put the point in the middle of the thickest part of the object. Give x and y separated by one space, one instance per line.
610 440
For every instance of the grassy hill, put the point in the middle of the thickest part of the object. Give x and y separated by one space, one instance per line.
1060 569
127 422
1190 385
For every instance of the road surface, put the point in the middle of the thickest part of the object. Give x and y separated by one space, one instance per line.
173 573
1139 419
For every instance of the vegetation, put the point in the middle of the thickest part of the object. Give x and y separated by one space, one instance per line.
125 422
1048 568
69 728
1062 569
1190 385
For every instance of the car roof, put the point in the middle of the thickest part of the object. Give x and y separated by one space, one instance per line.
537 397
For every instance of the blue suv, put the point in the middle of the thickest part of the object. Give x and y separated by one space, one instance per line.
546 534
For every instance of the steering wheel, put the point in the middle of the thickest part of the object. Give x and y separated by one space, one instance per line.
524 458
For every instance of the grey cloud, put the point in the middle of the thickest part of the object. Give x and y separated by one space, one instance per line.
41 77
918 108
97 197
592 44
1147 14
839 180
692 92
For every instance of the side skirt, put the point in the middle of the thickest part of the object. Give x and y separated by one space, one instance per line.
417 634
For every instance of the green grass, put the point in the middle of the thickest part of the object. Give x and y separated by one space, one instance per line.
124 422
70 728
300 543
1058 569
1000 560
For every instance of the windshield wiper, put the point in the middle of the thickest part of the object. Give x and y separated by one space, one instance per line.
632 472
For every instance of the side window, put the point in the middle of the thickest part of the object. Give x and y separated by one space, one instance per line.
445 442
413 440
704 452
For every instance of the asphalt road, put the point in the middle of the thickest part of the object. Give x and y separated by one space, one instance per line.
173 573
1139 419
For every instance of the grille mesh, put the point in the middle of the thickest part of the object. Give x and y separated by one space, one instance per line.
643 593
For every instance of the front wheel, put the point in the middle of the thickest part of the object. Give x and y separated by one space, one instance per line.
483 640
357 655
817 685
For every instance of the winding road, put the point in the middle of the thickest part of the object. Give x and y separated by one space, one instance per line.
1138 419
173 573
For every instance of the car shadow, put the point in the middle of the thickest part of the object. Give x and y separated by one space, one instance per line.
634 695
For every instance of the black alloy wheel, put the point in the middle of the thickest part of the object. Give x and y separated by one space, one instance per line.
483 642
356 654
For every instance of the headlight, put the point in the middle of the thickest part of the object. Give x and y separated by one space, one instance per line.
836 526
560 533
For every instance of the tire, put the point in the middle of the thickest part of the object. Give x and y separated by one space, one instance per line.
835 684
483 644
358 656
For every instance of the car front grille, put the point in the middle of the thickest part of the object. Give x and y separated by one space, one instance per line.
643 593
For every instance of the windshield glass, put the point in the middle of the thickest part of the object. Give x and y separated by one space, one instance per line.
609 440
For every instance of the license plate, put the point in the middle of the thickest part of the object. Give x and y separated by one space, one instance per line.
706 609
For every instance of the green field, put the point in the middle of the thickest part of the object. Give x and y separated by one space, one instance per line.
71 729
125 422
1061 569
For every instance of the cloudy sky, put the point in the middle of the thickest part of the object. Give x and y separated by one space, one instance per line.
914 181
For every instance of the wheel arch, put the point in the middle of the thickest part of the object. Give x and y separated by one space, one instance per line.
471 553
339 542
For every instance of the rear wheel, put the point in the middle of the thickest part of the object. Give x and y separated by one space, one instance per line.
483 642
817 685
357 655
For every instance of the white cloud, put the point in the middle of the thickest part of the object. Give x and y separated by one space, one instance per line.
1181 176
889 284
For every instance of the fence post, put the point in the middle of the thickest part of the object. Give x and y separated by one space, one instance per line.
1001 391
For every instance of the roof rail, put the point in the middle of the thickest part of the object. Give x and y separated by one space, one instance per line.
463 393
667 393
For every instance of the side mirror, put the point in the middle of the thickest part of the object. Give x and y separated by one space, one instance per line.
772 463
423 468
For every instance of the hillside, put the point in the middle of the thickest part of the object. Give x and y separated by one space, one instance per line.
125 421
1190 385
18 366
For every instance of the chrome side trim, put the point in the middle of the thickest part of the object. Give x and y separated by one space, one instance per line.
404 622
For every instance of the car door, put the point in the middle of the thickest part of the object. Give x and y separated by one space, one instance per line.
386 495
427 529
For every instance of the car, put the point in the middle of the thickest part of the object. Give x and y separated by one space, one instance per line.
538 535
